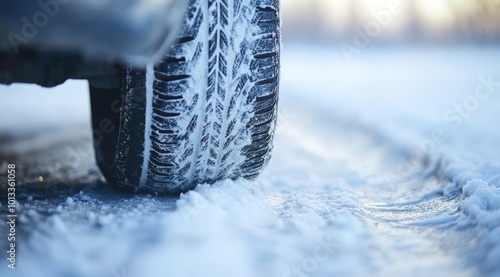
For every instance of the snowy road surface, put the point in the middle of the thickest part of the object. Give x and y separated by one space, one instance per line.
386 166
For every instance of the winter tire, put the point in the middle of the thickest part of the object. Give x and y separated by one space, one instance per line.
206 111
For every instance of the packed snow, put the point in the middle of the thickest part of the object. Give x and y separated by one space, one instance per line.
385 166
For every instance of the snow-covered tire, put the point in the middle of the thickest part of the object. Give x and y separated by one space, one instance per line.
206 111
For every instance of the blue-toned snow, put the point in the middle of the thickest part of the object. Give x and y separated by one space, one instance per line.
376 172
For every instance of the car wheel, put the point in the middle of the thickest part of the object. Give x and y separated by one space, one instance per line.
206 111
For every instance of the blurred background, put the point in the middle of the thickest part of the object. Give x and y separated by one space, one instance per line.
420 21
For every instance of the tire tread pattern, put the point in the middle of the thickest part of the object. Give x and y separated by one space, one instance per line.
215 97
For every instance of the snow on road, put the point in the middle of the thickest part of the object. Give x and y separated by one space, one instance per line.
387 166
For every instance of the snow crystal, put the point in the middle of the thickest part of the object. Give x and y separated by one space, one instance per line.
70 201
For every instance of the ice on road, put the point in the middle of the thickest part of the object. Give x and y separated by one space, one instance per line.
386 166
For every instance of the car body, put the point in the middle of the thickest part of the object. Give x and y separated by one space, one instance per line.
47 42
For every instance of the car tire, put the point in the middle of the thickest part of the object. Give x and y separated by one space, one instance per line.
206 111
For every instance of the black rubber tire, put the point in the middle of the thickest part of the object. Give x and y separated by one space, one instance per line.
205 112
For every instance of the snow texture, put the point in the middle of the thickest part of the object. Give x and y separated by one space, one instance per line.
357 185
